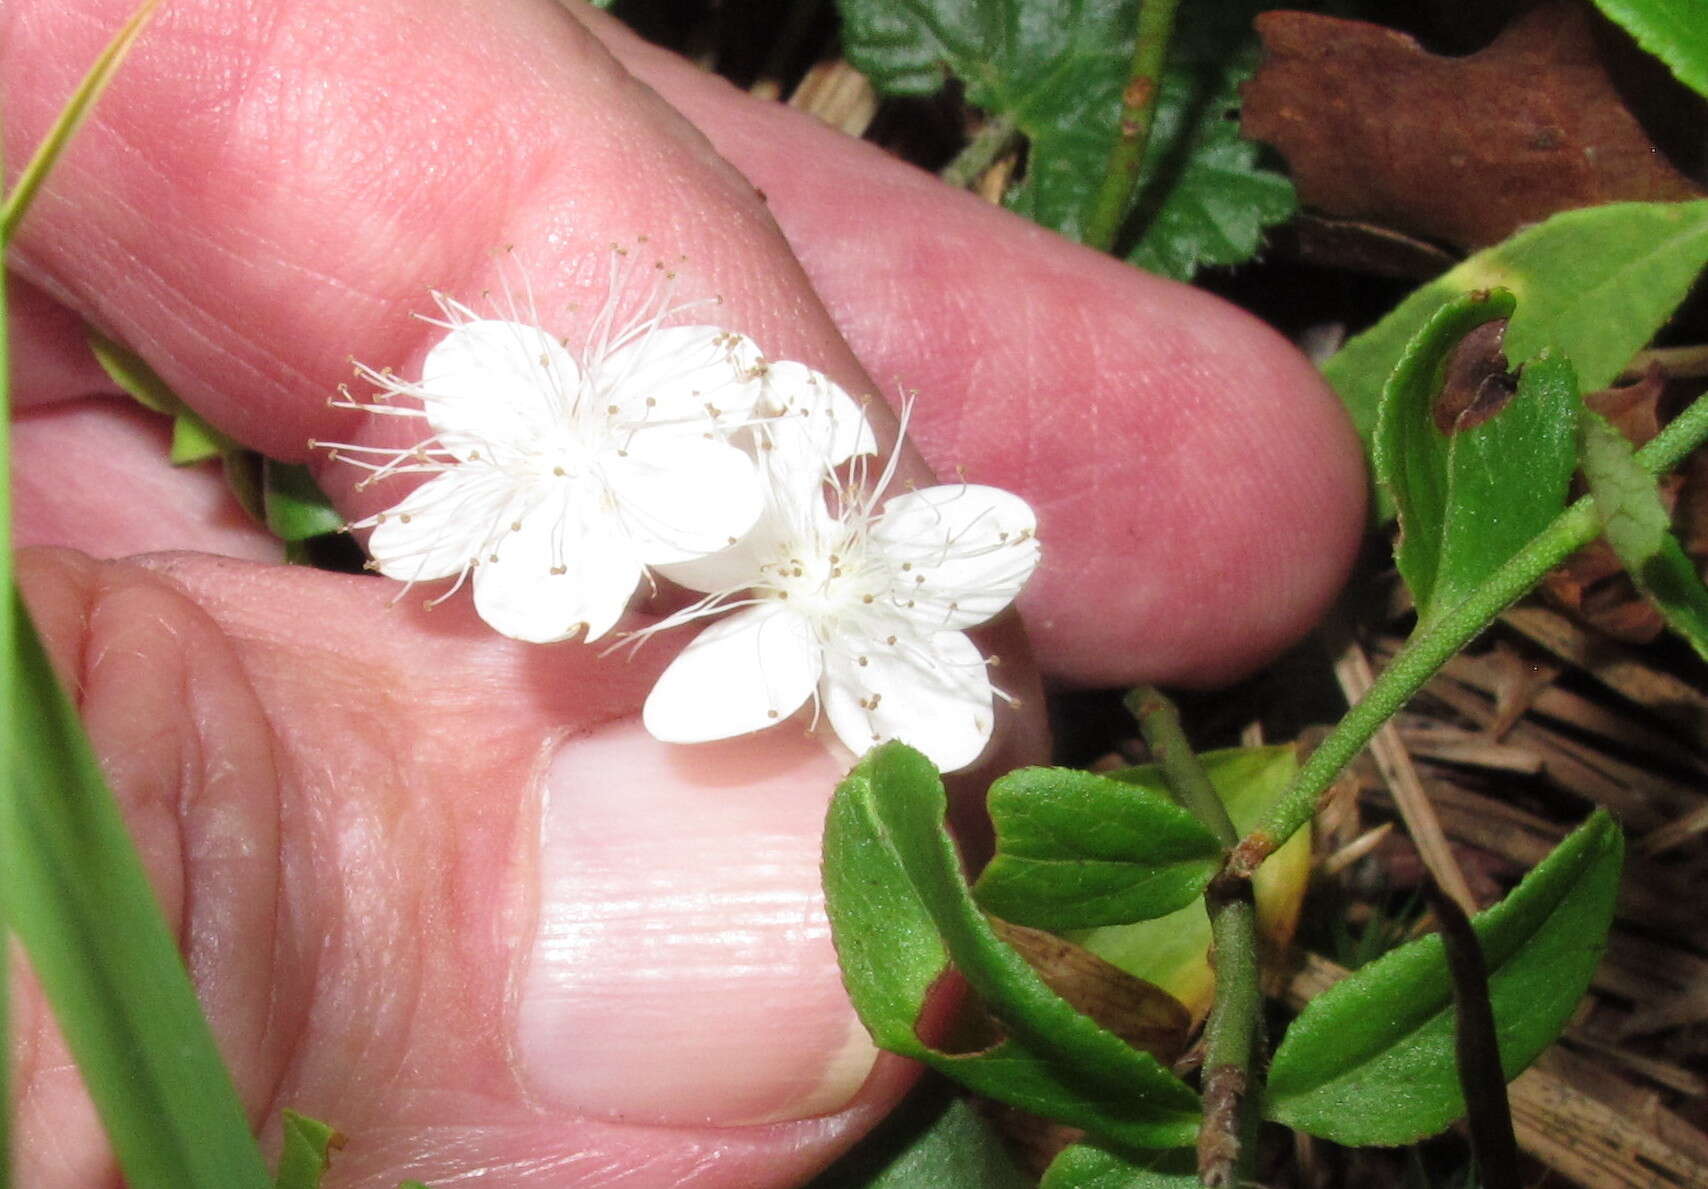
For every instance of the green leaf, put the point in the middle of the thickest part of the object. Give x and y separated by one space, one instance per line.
1173 951
296 507
1473 486
1593 284
307 1152
1075 850
1639 528
17 201
193 439
1370 1060
77 895
1056 69
954 1149
1672 30
900 912
1089 1166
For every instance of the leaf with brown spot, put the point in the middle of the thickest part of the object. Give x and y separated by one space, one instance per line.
1464 150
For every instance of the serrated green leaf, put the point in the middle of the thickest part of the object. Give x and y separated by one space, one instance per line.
296 508
1639 528
1075 850
79 899
1470 498
1056 70
1370 1060
307 1152
1089 1166
900 913
1672 30
1173 951
1592 284
954 1149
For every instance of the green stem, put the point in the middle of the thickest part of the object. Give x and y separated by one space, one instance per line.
1436 643
985 149
1230 1037
1114 196
1159 723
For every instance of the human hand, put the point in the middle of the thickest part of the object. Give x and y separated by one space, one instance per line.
435 886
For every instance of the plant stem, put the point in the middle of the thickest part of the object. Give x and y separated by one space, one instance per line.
985 149
1159 723
1438 641
1230 1037
1138 112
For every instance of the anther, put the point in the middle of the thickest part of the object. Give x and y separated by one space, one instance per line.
772 714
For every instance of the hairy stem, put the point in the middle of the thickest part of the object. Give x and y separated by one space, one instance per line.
1159 723
1437 642
1138 112
1230 1037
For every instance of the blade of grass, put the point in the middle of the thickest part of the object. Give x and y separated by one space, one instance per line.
7 701
77 894
71 883
24 191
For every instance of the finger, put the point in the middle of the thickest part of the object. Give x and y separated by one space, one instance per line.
485 925
93 475
1200 492
1196 522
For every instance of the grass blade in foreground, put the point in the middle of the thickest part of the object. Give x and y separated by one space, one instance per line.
8 699
77 895
23 192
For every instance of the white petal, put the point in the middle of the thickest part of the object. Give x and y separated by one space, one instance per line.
687 373
967 550
498 388
931 691
554 575
680 498
741 674
813 417
441 527
731 570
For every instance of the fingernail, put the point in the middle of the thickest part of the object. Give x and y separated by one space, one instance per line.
681 970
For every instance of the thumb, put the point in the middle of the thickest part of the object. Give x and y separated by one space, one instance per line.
434 887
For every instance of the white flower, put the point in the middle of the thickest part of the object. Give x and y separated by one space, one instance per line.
865 612
556 482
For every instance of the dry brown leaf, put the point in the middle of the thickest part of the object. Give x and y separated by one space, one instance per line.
1464 150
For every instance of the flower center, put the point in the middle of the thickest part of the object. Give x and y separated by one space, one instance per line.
829 584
